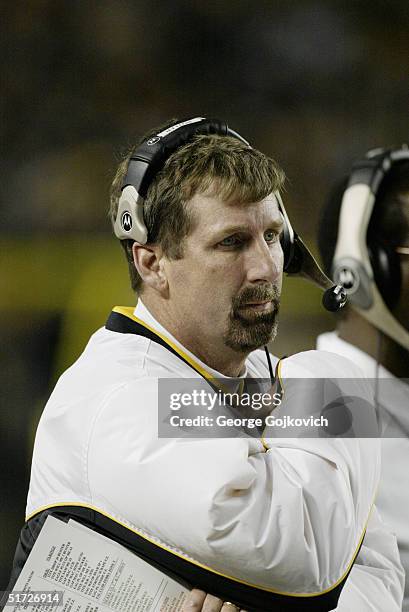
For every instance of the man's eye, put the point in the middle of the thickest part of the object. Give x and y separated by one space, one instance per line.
230 241
270 236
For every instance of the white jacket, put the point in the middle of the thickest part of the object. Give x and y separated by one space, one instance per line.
287 516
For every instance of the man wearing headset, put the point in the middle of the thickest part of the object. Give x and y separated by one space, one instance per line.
268 522
364 243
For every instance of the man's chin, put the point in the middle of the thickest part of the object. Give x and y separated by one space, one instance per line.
248 333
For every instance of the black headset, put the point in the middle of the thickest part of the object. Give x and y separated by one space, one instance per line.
149 158
360 261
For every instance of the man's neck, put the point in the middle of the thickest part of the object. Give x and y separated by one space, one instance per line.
359 332
211 351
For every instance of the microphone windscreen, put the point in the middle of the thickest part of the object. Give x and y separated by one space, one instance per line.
334 298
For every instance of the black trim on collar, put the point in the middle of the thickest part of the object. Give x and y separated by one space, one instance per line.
122 324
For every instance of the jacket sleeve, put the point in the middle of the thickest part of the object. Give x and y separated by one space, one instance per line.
289 516
377 578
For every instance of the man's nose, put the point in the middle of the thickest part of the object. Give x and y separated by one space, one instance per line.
264 262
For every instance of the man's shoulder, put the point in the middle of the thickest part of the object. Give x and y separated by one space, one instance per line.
115 363
112 356
108 357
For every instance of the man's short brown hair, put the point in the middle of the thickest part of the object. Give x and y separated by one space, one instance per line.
221 165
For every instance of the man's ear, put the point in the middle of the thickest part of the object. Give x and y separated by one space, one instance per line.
148 260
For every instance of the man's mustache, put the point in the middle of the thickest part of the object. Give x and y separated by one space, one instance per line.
260 293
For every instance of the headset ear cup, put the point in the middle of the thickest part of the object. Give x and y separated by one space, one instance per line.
387 273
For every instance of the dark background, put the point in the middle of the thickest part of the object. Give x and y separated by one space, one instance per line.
313 84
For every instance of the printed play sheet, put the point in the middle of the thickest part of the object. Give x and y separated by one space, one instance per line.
93 573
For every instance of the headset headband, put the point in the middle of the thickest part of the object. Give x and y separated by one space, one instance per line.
144 164
152 154
352 267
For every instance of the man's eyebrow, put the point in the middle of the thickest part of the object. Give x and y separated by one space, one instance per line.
233 229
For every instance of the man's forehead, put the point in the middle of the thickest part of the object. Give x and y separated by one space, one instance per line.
216 213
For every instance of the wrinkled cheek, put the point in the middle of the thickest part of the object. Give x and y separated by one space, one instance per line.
214 288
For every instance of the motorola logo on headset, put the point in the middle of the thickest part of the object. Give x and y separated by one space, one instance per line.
126 221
